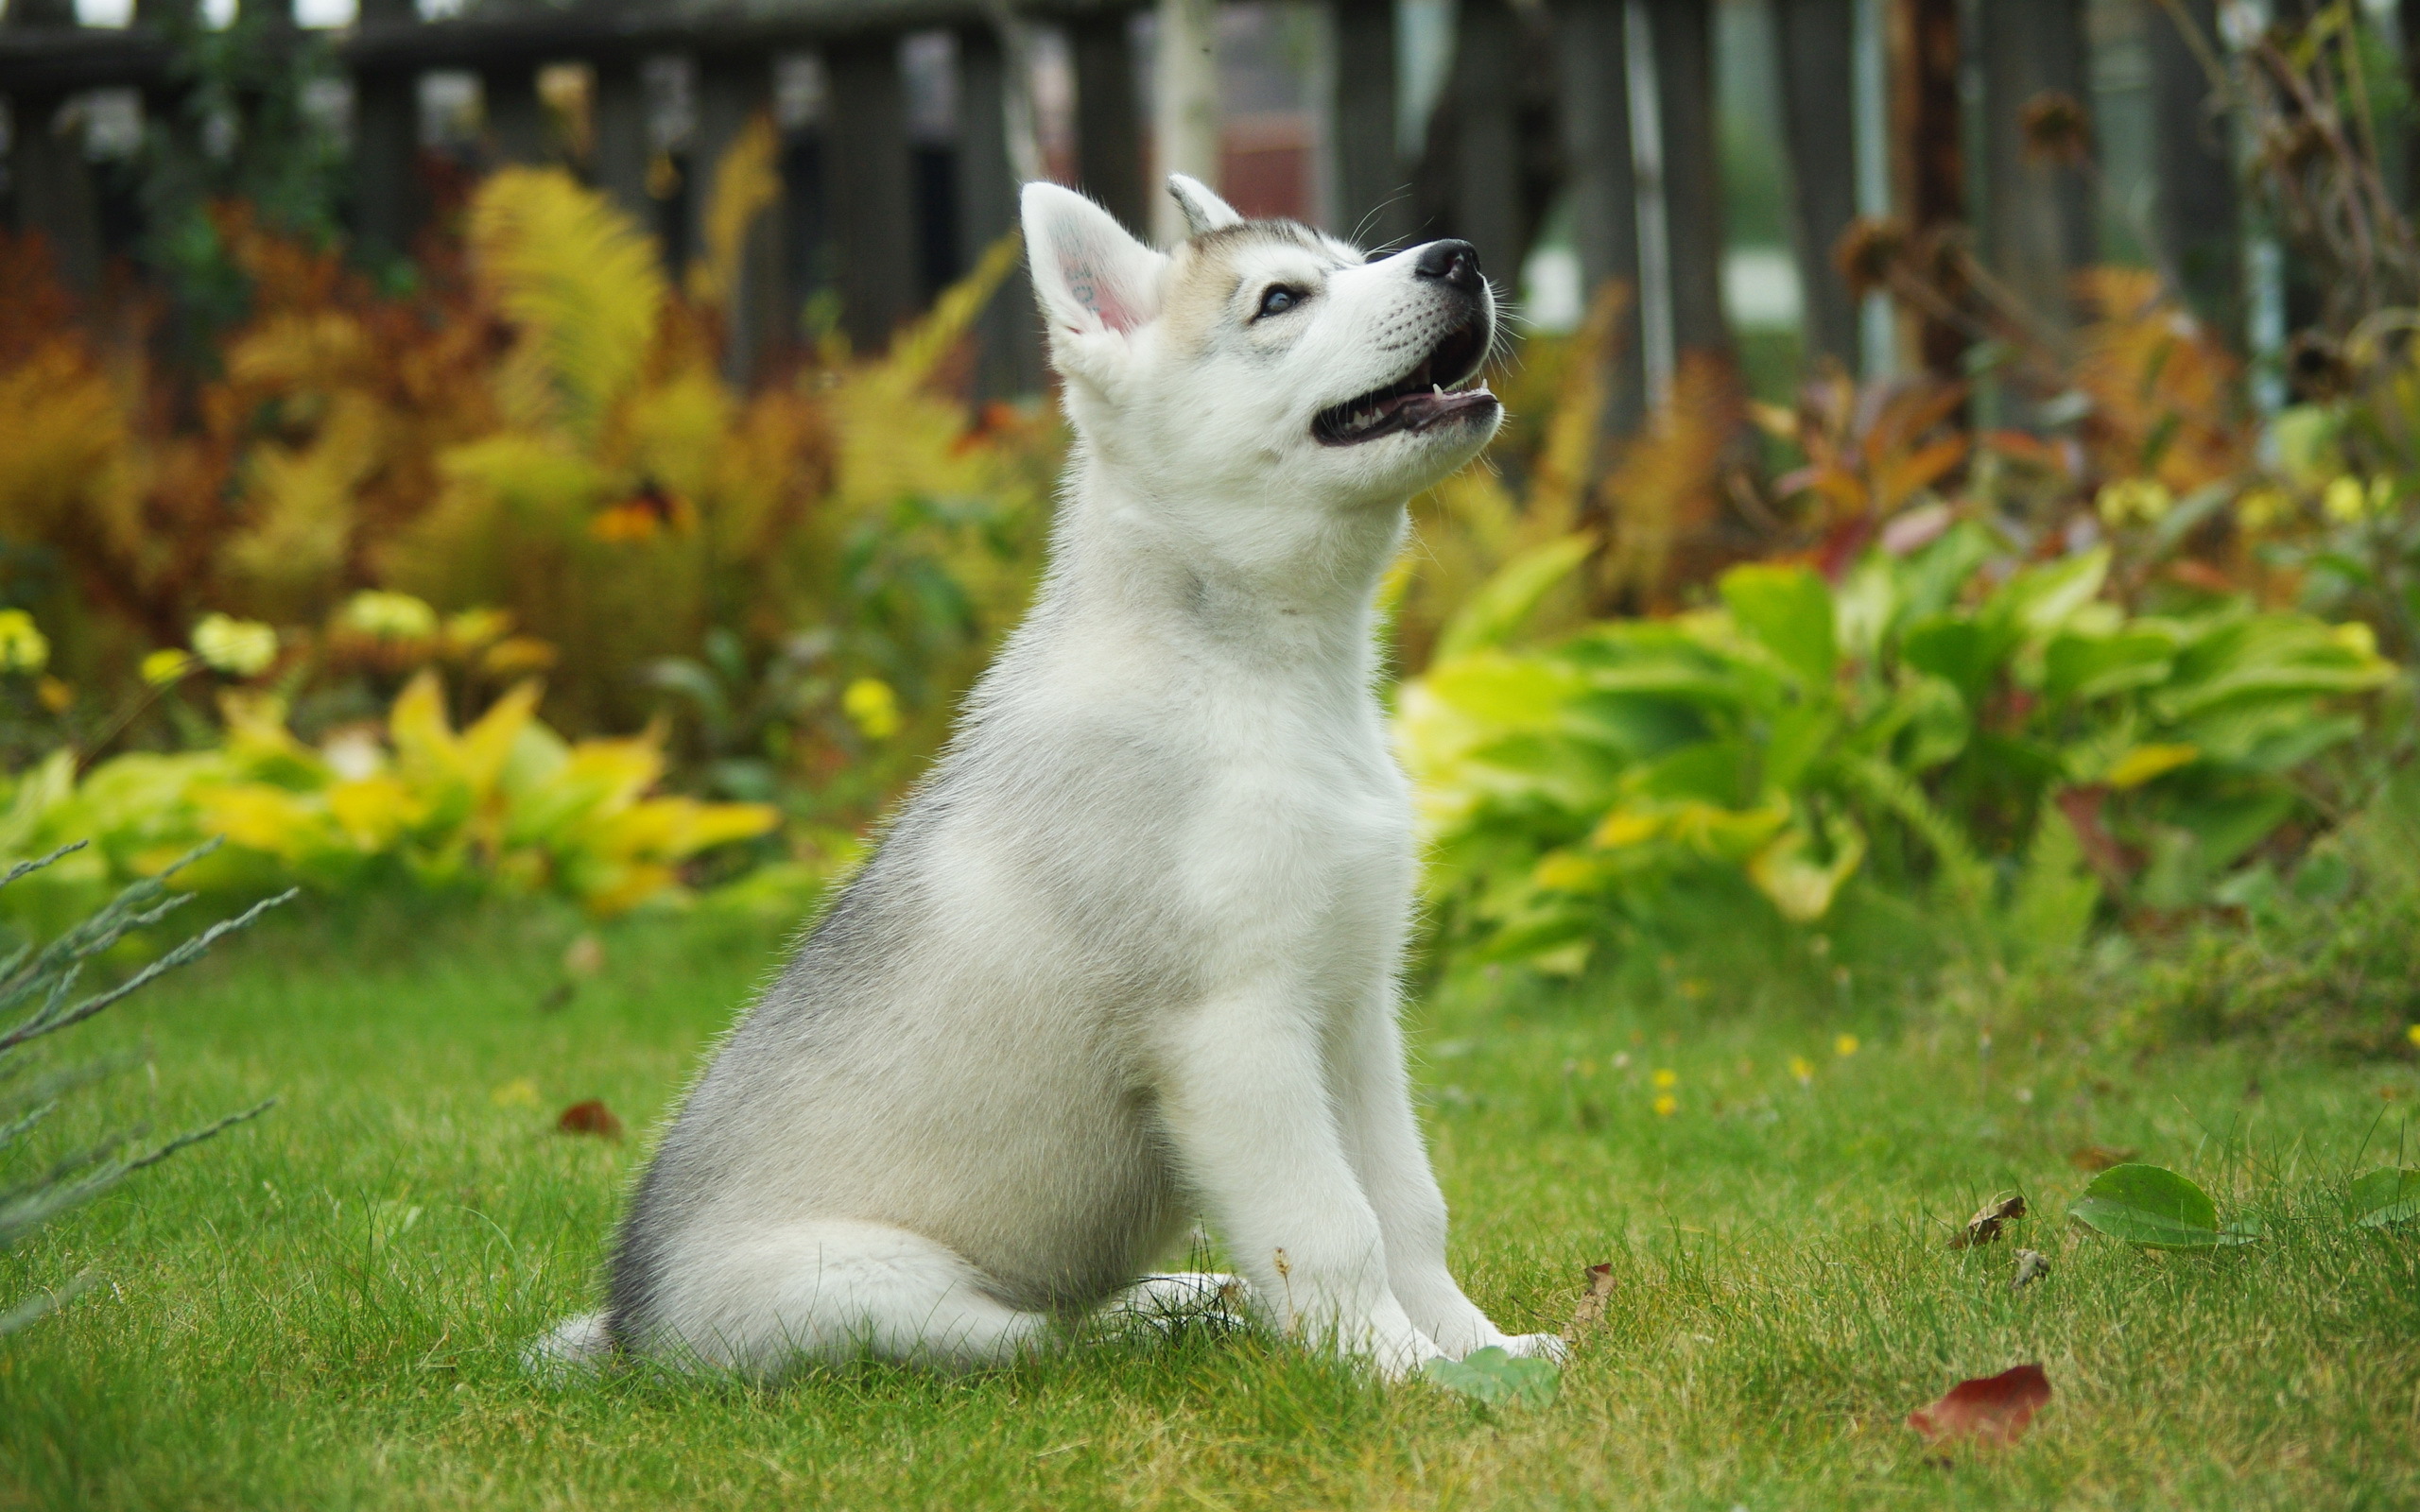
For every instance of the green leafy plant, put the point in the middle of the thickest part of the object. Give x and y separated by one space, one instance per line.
1945 719
504 802
2386 1196
1493 1378
2153 1207
41 986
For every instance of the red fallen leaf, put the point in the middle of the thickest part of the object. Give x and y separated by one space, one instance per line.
1991 1409
590 1117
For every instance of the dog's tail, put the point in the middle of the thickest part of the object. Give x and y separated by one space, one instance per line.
580 1343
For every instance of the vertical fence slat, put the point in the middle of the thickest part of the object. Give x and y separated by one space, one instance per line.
1109 118
53 182
1604 184
1818 100
386 201
870 178
733 90
2194 167
1684 32
1372 205
1486 175
515 117
1009 346
619 130
2037 225
1928 128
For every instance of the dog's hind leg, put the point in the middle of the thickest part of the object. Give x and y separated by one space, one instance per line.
833 1290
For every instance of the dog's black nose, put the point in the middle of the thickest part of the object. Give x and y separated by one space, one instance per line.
1457 262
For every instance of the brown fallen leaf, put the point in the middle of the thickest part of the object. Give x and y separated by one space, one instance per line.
1984 1228
1990 1410
2098 1157
584 957
590 1117
2030 1267
1591 1306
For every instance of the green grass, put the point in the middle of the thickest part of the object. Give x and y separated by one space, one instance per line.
323 1308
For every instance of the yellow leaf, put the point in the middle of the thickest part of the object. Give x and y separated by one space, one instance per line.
488 741
2145 763
1625 827
423 737
373 811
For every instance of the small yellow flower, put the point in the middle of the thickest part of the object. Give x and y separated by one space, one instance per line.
2264 509
166 665
518 1093
23 646
242 648
389 616
1803 1069
1844 1045
2413 1034
871 707
56 695
1667 1106
2131 500
1666 1078
2356 637
2345 500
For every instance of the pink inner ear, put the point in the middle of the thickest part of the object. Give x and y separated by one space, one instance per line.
1092 284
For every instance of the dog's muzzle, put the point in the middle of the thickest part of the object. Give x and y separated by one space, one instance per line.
1427 396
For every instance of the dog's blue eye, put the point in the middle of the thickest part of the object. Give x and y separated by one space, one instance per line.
1278 300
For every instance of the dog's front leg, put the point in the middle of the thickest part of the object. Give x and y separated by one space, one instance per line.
1382 1137
1245 1101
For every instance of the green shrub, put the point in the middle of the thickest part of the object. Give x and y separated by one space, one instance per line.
2003 739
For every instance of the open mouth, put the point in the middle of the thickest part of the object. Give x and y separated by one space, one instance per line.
1420 400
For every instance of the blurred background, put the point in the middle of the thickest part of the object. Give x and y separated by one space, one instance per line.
1963 453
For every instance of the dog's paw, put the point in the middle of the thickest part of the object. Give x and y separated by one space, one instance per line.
1167 1302
1537 1347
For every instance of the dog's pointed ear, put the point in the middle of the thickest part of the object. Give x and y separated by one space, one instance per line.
1095 284
1203 209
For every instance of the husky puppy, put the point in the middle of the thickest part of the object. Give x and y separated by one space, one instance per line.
1128 955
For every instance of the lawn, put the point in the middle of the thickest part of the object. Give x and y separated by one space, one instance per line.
323 1308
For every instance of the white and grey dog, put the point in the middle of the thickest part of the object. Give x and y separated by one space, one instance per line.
1130 953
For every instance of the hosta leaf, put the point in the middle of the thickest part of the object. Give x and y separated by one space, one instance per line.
2390 1194
1492 1377
2149 1205
1789 611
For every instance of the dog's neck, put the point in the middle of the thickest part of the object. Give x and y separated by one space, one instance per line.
1280 582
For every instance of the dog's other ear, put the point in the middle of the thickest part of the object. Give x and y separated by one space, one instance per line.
1203 209
1095 284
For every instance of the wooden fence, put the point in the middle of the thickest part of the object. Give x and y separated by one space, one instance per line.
1609 101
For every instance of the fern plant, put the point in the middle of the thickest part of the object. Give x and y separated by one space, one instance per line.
40 989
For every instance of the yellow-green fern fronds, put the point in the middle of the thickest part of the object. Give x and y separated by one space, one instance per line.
582 281
747 183
914 350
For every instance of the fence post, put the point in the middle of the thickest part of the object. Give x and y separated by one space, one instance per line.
2037 220
1008 358
2195 166
1594 60
1374 204
871 177
386 145
54 183
1684 33
622 145
1109 118
758 314
1818 100
1486 171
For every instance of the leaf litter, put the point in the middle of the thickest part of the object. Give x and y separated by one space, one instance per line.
1987 1410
